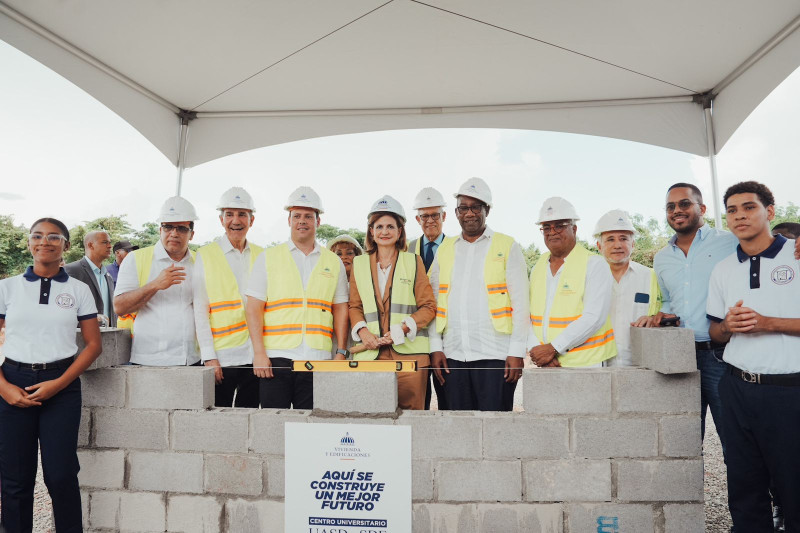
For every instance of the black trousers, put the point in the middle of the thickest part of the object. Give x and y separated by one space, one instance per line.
53 425
441 396
240 381
762 434
286 388
478 386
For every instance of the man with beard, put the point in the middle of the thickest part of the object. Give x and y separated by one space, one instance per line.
221 272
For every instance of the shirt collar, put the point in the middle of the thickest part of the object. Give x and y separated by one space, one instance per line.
101 270
61 277
770 253
293 246
437 241
487 234
159 253
702 232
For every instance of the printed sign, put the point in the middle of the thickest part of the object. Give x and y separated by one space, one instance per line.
348 478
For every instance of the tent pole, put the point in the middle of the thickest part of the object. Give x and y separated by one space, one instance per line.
185 117
712 161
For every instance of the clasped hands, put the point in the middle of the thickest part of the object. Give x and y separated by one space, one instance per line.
544 356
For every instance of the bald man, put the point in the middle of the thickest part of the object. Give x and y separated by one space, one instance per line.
90 270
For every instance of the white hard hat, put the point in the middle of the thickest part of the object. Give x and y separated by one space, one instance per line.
429 197
304 197
556 208
177 209
614 220
345 238
236 198
389 205
476 188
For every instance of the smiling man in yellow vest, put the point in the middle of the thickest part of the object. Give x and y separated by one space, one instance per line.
478 337
221 272
570 296
296 300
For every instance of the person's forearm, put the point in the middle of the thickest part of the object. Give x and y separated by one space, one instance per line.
93 349
718 333
786 326
132 301
341 323
255 323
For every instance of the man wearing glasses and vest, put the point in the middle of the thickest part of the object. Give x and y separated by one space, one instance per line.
570 296
478 337
154 297
296 300
220 278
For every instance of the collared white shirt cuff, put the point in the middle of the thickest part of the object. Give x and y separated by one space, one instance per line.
412 328
207 354
558 347
357 327
516 349
396 332
435 340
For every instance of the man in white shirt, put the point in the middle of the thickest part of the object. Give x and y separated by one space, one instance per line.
296 302
570 296
478 337
220 277
154 292
90 270
636 297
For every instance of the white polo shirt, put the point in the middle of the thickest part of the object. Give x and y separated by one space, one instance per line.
41 315
630 300
768 283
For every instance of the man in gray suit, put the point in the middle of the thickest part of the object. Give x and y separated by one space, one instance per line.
90 270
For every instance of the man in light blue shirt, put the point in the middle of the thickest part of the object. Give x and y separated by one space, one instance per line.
90 270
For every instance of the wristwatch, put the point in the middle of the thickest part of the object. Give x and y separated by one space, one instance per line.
345 353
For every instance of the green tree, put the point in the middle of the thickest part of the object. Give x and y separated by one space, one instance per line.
14 255
790 213
117 228
651 236
326 232
147 236
531 255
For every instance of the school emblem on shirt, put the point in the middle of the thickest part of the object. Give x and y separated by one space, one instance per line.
65 301
782 275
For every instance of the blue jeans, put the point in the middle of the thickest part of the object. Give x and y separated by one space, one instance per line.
712 368
54 427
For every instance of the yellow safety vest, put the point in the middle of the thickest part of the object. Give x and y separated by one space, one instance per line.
567 306
144 262
494 276
418 247
402 303
226 311
655 295
290 311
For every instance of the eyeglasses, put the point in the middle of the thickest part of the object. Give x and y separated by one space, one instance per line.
683 204
183 230
555 228
52 238
476 209
434 216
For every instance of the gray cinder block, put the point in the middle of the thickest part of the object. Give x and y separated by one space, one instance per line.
558 391
258 515
665 350
267 433
444 518
444 437
611 517
422 480
131 428
233 474
638 390
170 387
521 518
512 436
166 472
101 468
116 347
567 480
660 480
199 514
681 436
276 477
478 481
85 429
104 387
218 430
598 438
142 511
684 517
355 392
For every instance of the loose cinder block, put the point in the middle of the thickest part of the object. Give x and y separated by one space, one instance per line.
131 429
558 391
444 437
166 472
355 392
183 387
567 480
444 518
233 474
116 347
665 350
660 480
521 518
104 387
142 511
598 438
199 514
471 481
511 436
646 391
275 476
684 517
681 436
218 430
85 429
103 469
259 515
267 433
422 480
611 517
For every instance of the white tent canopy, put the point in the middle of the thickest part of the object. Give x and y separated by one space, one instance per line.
204 79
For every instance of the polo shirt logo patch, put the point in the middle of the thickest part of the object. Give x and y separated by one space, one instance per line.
782 275
65 301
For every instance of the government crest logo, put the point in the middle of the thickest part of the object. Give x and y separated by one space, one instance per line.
65 301
782 275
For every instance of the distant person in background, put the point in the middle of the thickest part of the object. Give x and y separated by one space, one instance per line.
90 270
347 248
790 230
120 250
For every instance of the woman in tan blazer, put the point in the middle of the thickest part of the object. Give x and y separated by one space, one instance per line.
399 330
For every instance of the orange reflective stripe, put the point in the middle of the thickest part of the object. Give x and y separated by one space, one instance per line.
536 320
594 342
441 311
562 321
228 330
501 312
498 288
282 304
319 330
321 304
284 329
224 306
443 288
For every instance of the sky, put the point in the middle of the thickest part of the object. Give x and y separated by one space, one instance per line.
64 154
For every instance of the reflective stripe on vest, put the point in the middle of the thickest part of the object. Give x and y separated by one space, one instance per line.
494 276
567 307
403 303
226 311
291 312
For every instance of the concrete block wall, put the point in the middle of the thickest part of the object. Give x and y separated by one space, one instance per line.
594 450
116 347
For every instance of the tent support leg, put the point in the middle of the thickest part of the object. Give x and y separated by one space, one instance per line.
712 161
185 117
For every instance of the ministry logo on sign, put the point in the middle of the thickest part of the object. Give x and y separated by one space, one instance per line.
346 449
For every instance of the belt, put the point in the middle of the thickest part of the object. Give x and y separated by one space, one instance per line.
61 363
708 345
786 380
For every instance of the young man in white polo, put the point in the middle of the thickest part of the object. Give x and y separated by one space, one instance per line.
754 306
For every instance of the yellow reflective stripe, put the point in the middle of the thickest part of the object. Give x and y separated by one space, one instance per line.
593 342
228 330
224 306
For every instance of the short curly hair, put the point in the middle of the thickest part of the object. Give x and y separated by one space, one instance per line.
759 189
